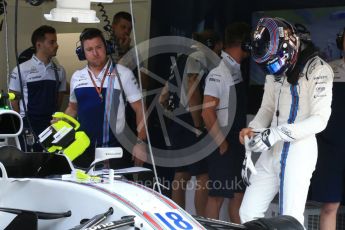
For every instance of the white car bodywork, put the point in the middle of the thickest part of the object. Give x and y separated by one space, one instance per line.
85 200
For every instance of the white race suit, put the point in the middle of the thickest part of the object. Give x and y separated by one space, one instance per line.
300 112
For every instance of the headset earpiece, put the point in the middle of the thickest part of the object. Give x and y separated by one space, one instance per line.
246 44
80 53
340 39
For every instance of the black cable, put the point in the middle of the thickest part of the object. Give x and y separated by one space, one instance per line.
105 17
109 29
20 76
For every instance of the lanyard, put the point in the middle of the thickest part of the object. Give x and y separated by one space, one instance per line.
99 89
111 105
107 109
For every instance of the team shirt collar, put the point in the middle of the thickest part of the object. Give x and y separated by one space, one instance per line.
39 62
230 61
101 74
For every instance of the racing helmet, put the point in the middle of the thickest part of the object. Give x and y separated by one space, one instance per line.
275 45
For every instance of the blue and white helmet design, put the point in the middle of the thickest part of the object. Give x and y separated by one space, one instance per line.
275 45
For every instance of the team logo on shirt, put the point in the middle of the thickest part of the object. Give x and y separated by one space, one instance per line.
320 92
81 84
320 89
323 95
286 131
320 82
33 70
35 77
321 77
213 79
83 77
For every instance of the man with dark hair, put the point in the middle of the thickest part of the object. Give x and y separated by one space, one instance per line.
39 34
222 84
122 28
122 15
98 96
42 83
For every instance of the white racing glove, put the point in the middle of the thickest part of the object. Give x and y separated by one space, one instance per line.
266 138
247 163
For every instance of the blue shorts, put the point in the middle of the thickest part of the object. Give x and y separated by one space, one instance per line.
327 184
225 170
181 137
195 169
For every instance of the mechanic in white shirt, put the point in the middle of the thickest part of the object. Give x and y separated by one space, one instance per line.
98 96
224 118
197 65
43 84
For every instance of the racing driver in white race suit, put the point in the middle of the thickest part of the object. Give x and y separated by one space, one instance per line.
296 105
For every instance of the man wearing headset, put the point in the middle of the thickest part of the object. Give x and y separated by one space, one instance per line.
296 105
98 96
327 185
224 84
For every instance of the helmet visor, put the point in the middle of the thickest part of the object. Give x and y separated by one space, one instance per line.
265 40
261 43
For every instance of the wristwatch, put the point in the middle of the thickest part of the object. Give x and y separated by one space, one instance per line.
139 141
